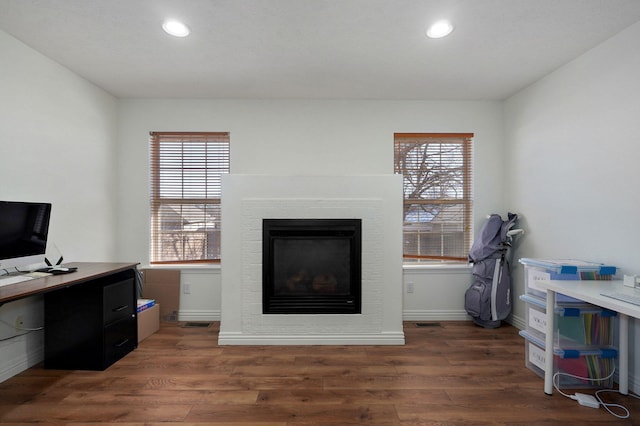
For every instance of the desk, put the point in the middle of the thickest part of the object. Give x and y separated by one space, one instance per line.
86 271
90 314
590 291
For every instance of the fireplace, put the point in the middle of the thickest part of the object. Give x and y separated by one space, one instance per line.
376 200
311 266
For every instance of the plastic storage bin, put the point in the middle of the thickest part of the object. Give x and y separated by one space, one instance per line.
562 269
576 368
576 325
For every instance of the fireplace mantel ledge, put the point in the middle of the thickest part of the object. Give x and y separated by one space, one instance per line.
234 338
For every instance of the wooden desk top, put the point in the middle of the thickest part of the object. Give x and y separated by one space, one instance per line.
86 271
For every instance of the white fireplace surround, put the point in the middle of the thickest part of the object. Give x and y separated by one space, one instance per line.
248 199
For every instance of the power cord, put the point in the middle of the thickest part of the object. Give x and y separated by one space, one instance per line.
607 405
14 336
591 400
26 330
21 328
8 272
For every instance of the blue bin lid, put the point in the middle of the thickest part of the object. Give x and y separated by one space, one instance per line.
570 266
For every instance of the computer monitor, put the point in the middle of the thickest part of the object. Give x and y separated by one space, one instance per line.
24 227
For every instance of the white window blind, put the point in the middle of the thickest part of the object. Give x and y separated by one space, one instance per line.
185 193
437 182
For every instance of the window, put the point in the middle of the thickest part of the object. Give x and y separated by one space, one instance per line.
186 171
436 170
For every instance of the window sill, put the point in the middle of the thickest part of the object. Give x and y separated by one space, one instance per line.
437 267
185 266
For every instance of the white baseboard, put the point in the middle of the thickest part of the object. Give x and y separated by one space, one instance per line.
432 315
407 315
198 315
453 315
517 322
27 354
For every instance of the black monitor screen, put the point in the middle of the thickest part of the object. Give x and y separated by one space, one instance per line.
23 229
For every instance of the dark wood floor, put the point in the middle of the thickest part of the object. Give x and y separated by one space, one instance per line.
449 373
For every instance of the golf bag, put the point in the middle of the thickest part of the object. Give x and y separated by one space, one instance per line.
488 299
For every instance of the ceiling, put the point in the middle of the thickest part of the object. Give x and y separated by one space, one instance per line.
337 49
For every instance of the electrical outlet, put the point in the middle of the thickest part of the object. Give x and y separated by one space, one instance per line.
409 287
186 288
19 322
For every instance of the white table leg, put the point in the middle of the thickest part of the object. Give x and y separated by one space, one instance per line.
623 354
548 356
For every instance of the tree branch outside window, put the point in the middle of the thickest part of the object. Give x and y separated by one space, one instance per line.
437 182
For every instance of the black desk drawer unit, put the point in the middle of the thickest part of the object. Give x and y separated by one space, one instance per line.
118 340
117 301
91 326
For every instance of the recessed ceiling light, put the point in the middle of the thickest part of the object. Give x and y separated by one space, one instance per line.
440 29
175 28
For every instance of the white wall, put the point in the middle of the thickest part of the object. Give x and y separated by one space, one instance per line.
57 139
435 293
298 137
56 145
572 147
305 137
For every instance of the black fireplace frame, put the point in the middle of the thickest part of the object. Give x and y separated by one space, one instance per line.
349 229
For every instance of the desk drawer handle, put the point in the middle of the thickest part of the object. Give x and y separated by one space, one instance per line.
120 308
121 344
